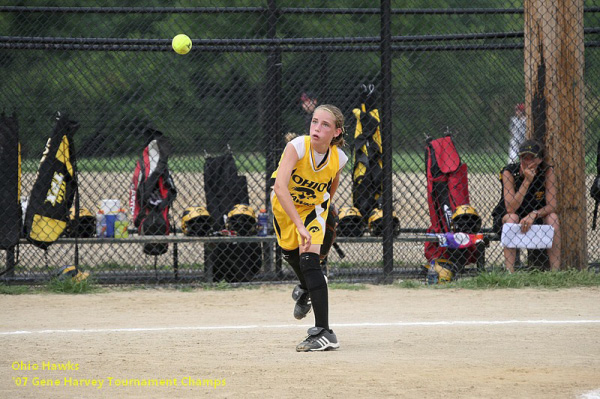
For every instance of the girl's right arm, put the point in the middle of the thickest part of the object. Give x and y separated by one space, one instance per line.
514 198
284 173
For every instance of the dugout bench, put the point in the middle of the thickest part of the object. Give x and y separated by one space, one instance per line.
271 262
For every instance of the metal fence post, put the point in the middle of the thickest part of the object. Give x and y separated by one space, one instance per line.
386 138
273 115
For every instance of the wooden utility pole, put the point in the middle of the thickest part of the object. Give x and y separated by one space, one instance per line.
554 62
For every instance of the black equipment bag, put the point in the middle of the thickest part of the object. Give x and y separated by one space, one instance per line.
595 189
223 187
233 262
10 181
82 226
53 192
154 224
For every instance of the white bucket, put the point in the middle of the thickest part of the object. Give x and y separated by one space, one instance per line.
109 206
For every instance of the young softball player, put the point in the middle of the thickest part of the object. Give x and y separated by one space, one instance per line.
305 182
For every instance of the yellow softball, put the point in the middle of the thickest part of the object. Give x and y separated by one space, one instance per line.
182 44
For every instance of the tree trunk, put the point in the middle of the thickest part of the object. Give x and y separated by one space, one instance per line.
554 62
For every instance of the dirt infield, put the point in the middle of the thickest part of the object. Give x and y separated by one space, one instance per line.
394 343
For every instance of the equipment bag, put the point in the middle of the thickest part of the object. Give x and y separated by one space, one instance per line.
82 226
10 181
447 188
153 191
223 187
367 177
233 262
53 192
595 189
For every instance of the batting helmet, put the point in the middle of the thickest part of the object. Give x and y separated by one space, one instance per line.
196 221
465 219
72 272
350 223
376 223
84 227
242 220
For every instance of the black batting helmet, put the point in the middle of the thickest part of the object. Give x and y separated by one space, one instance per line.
196 221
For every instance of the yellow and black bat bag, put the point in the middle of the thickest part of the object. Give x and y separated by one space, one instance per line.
53 192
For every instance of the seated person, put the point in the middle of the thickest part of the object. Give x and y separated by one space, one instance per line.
528 197
308 102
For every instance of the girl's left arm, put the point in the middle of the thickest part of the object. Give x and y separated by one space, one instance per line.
334 185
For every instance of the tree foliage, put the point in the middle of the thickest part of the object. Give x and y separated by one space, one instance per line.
209 98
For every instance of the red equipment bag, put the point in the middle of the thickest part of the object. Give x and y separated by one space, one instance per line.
447 188
153 191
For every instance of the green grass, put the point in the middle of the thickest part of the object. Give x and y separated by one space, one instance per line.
246 163
70 286
495 279
408 284
17 289
521 279
56 285
402 162
347 286
126 267
220 286
356 265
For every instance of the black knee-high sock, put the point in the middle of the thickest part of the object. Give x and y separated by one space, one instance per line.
293 258
317 287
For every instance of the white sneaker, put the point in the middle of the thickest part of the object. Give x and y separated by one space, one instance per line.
319 339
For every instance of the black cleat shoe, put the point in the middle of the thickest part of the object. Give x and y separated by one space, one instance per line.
303 304
319 339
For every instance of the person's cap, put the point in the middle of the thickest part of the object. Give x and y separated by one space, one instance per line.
531 147
307 96
520 107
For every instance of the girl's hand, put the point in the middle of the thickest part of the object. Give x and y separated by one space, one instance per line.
529 173
305 239
526 223
530 168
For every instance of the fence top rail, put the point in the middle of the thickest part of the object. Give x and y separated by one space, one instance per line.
333 44
254 10
247 49
270 41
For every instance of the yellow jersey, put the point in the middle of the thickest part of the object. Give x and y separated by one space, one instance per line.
310 181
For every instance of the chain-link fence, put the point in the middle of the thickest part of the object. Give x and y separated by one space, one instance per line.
193 135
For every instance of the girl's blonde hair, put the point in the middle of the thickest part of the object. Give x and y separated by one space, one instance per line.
339 122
